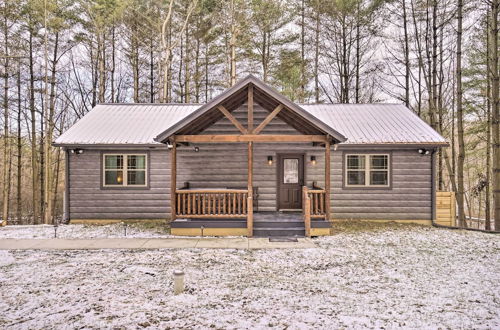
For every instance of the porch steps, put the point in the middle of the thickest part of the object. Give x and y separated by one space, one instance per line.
278 227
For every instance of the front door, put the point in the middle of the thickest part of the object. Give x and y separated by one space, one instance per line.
290 181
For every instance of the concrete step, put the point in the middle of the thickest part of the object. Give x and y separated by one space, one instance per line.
268 232
278 224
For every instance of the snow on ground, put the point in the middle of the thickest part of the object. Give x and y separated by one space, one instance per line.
83 231
394 278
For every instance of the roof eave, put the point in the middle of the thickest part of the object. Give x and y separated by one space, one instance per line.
398 145
109 145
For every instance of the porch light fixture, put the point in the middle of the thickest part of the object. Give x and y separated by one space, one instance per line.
196 149
269 160
169 145
313 160
424 151
77 151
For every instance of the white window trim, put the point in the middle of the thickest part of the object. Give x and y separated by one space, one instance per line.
125 171
367 171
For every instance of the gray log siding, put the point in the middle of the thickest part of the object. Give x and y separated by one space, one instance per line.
89 201
225 165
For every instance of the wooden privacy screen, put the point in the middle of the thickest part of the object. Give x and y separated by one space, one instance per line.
445 208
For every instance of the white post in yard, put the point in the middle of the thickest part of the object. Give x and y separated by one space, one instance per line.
178 282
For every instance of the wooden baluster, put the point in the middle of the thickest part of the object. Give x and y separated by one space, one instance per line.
183 204
218 203
239 203
178 203
195 203
214 197
224 207
322 203
200 211
209 199
189 203
234 204
316 206
244 203
203 202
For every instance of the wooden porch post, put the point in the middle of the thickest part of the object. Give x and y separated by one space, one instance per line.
327 179
173 180
250 190
250 162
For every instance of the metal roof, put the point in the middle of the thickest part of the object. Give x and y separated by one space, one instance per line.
376 123
124 124
139 124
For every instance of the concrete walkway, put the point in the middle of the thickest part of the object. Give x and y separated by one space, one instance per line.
151 243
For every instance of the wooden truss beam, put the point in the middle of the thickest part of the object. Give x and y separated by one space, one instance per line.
268 119
250 108
233 120
249 138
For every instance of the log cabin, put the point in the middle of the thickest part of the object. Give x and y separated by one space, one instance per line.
250 162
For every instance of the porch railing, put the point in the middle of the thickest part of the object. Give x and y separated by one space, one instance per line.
314 206
223 203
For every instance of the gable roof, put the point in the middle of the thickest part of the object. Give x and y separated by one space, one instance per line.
139 124
150 124
267 96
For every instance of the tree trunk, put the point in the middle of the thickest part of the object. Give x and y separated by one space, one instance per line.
6 144
187 73
302 52
316 55
101 57
495 129
151 73
487 203
407 57
460 125
19 149
34 158
358 50
113 64
49 171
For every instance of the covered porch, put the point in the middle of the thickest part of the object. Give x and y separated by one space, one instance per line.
222 211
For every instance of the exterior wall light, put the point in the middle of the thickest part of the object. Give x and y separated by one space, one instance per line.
269 160
196 149
76 151
313 160
424 151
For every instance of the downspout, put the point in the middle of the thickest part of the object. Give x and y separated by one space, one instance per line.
66 187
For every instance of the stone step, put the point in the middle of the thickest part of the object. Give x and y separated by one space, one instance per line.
268 232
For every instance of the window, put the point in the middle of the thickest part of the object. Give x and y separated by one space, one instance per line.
291 170
367 170
124 170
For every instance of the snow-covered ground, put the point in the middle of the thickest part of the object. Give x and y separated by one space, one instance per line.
118 230
410 277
